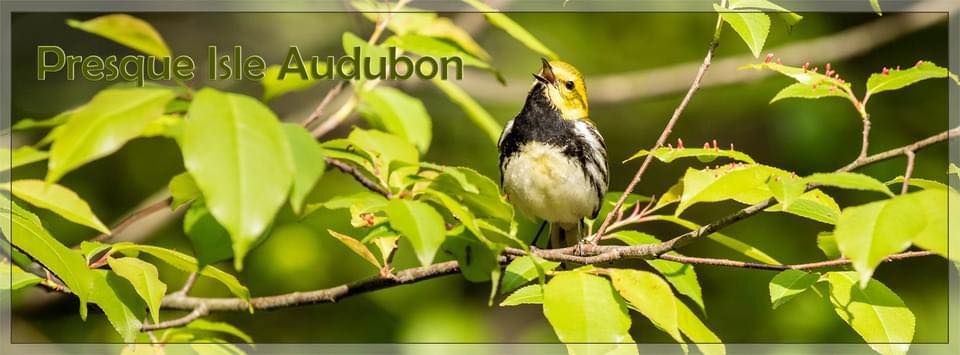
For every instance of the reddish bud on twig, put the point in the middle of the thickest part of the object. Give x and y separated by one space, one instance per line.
828 67
731 146
706 145
815 69
778 61
768 58
886 71
918 63
806 65
669 145
898 67
679 143
714 144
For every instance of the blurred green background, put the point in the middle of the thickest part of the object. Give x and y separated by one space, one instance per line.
802 136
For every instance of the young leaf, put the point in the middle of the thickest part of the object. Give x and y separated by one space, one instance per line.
583 308
30 123
743 183
420 224
789 17
58 199
753 27
126 30
444 28
397 113
807 91
693 328
786 189
236 151
875 4
706 155
273 86
478 260
682 276
649 295
874 312
918 182
357 247
211 242
935 235
788 284
866 234
183 190
119 301
20 157
523 270
387 246
897 79
848 180
384 148
803 75
827 243
729 242
219 327
27 234
530 294
476 113
512 28
187 263
102 126
12 277
145 280
308 163
813 204
431 47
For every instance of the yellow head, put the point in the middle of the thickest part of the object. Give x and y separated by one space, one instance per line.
565 89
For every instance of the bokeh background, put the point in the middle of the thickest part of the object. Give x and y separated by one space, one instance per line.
798 135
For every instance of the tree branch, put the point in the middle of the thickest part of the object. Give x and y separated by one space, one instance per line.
908 171
357 175
760 266
133 218
199 311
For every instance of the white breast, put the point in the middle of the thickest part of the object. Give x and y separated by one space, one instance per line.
544 183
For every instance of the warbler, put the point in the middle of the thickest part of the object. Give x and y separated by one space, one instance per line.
553 160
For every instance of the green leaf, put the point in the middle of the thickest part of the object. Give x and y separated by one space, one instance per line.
478 260
237 153
953 169
786 189
357 247
729 242
420 224
126 30
58 199
813 204
806 91
219 327
807 76
12 277
788 284
372 52
918 182
682 276
102 126
216 349
384 148
584 308
512 28
476 113
119 302
897 79
649 295
274 87
431 47
875 4
27 234
397 113
187 263
20 157
935 235
866 234
92 250
444 28
308 163
827 243
874 312
706 155
486 202
29 123
524 269
530 294
743 183
693 328
211 242
145 280
170 126
183 190
789 17
752 27
846 180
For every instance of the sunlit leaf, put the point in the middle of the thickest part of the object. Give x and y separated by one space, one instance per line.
789 17
918 182
58 199
846 180
807 76
420 224
788 284
813 204
753 27
145 280
827 243
727 241
523 270
935 235
808 91
126 30
119 301
706 155
431 47
187 263
357 247
211 242
512 28
384 148
20 157
397 113
12 277
183 190
694 329
649 295
102 126
584 308
530 294
476 113
387 246
742 183
236 151
273 86
896 79
308 163
682 276
30 123
219 327
874 312
875 4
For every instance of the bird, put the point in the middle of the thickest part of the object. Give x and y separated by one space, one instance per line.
553 160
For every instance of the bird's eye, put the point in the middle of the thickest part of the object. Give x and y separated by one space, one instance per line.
569 85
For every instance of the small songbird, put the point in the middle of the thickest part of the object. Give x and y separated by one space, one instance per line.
553 161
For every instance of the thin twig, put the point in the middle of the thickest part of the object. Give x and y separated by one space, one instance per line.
942 136
188 284
908 171
357 175
198 311
865 140
323 104
134 217
761 266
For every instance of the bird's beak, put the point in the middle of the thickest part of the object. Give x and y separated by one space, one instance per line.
546 73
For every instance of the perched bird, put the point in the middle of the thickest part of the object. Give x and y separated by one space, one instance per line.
553 161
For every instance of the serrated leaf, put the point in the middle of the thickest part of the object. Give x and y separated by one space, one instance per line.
524 269
897 79
743 183
694 329
667 154
183 190
476 113
188 264
807 76
813 204
788 284
210 241
651 296
918 182
12 277
752 27
357 247
126 30
219 327
583 308
119 301
683 277
875 312
418 223
145 280
512 28
20 157
847 180
486 203
786 189
936 234
387 246
27 234
308 163
274 87
397 113
102 126
807 91
235 149
530 294
58 199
